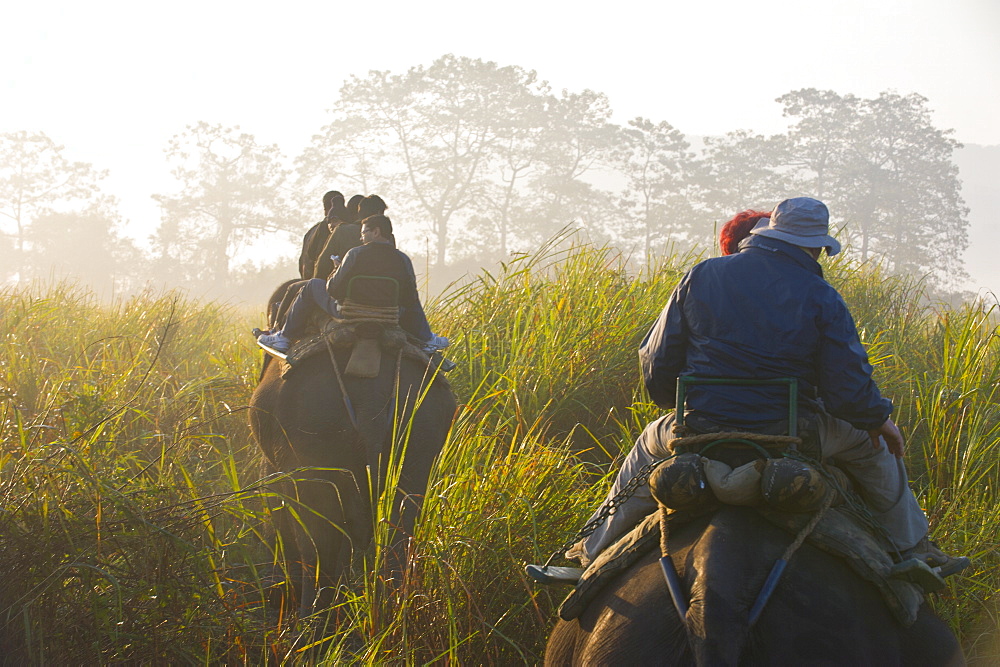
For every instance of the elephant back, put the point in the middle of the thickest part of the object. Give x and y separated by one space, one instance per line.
838 533
368 339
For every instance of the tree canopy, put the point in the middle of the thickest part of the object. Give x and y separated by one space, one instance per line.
485 160
36 179
488 160
232 191
887 173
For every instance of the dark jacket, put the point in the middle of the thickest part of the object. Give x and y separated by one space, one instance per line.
765 312
312 244
375 259
343 237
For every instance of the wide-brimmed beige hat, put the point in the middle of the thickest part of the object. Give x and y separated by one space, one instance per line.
803 221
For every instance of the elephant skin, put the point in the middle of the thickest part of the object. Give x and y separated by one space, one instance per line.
305 432
820 613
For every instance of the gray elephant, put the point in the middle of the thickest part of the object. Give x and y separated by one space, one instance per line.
821 612
325 449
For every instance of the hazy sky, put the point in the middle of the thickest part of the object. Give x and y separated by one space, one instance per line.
113 81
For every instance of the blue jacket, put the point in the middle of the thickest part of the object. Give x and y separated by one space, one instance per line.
764 312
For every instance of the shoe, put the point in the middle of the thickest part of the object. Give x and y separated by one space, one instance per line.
550 574
436 343
276 341
927 551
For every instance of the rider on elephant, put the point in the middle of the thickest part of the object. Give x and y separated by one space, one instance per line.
767 312
737 230
377 257
346 234
318 234
329 239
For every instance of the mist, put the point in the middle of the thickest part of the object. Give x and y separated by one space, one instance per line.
481 161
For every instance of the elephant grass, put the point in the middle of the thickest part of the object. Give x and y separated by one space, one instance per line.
552 336
116 445
133 526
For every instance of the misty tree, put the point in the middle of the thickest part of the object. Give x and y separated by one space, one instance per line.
558 141
743 170
656 164
346 157
517 155
486 157
817 143
579 141
231 193
887 172
86 245
437 132
37 178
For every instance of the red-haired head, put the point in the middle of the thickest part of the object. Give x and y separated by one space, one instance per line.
738 229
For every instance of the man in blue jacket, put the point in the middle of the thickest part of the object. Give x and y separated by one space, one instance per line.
767 312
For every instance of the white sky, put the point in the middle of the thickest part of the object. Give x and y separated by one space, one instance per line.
113 81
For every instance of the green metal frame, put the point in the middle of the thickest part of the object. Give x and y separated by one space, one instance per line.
793 395
395 284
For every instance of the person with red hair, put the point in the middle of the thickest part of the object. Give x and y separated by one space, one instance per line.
765 311
738 229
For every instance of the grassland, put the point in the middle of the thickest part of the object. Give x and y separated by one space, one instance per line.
131 521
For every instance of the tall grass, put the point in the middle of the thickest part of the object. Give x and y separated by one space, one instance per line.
132 524
552 338
120 429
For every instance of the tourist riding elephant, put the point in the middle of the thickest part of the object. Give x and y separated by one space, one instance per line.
821 612
325 455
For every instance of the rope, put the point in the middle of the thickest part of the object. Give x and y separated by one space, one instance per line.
352 310
707 438
642 476
809 527
852 502
664 532
343 389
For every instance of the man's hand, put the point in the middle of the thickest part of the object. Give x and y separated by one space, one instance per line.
893 438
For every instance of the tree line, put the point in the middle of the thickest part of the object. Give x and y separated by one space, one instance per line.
485 160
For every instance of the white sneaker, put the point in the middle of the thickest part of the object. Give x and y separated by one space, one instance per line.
436 343
276 341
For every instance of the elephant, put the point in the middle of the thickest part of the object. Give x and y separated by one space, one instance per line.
821 612
325 448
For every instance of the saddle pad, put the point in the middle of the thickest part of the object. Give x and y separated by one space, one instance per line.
840 535
342 335
837 534
611 562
